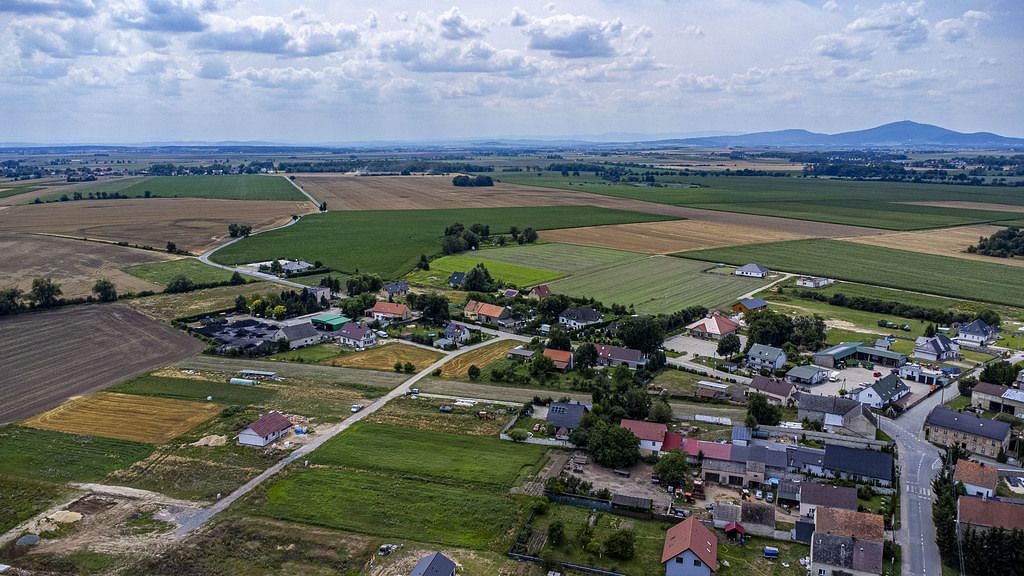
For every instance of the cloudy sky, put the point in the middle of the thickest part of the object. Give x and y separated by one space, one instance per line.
329 71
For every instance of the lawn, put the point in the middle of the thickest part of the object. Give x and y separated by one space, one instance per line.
677 381
393 507
164 272
567 258
225 187
504 272
659 284
313 354
384 357
848 318
482 358
748 560
429 455
851 289
192 389
22 499
59 457
188 304
314 279
390 242
862 203
941 275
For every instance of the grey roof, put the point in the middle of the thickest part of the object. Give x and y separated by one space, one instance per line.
627 501
849 553
772 386
789 490
758 453
396 287
938 344
977 328
753 268
859 461
804 530
967 423
740 433
872 351
753 303
762 352
299 331
581 315
457 278
882 344
354 330
828 495
436 564
566 414
619 353
801 456
827 404
805 372
889 386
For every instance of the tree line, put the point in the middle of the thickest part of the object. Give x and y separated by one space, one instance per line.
46 293
936 315
1005 243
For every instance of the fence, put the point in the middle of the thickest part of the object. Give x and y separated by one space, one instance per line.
569 565
580 501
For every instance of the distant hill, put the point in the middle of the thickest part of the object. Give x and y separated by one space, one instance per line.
904 134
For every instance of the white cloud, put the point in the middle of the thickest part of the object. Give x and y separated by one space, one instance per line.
455 26
162 15
272 35
842 47
571 36
901 23
75 8
956 29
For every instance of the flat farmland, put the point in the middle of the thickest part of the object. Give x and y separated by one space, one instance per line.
567 258
167 307
191 223
459 366
514 274
58 457
73 264
390 242
673 236
944 242
658 284
163 272
940 275
225 187
132 417
384 357
60 353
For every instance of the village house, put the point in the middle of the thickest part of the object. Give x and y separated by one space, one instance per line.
650 434
301 335
883 392
520 354
566 417
808 375
805 460
470 309
264 431
357 335
846 543
456 280
841 415
540 291
977 333
690 549
576 318
457 333
712 327
761 357
748 305
938 348
436 564
393 290
779 392
813 282
812 495
861 465
947 427
983 514
753 271
611 356
978 479
492 314
917 373
388 312
561 358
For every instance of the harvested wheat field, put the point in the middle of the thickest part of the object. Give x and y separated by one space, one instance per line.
192 223
125 417
480 357
1016 208
672 236
941 242
167 307
74 264
384 357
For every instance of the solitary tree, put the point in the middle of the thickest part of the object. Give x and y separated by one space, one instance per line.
728 345
104 290
409 368
10 300
673 469
44 293
172 247
236 279
473 372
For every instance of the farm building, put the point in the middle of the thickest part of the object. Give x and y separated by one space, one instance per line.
266 430
858 464
748 305
690 549
520 354
977 333
576 318
976 435
978 479
918 373
804 460
300 335
814 282
995 398
436 564
611 356
938 348
561 358
713 326
761 357
357 335
846 352
650 434
885 390
388 312
258 374
846 542
752 271
540 291
329 321
249 335
808 375
779 392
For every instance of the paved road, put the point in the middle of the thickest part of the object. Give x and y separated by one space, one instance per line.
196 521
785 276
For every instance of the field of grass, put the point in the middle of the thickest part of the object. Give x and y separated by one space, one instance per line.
314 354
164 272
424 413
314 279
390 242
567 258
452 458
514 274
848 318
657 284
889 267
57 457
209 300
226 187
193 389
677 381
22 499
384 357
870 204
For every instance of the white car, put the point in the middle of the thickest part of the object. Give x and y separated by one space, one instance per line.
357 407
758 494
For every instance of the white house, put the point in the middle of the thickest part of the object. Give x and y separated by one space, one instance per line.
814 282
576 318
978 479
300 335
938 348
266 430
357 335
650 434
761 357
753 271
977 333
884 391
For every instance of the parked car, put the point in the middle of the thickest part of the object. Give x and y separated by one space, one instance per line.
357 407
769 497
759 495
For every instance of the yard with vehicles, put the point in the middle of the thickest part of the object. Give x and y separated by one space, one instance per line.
163 272
222 187
384 357
501 272
658 284
65 352
73 264
880 266
390 242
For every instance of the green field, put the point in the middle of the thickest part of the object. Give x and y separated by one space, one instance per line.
199 390
941 275
22 499
504 272
314 279
313 354
164 272
8 189
657 284
872 204
45 455
567 258
390 242
430 455
393 507
226 187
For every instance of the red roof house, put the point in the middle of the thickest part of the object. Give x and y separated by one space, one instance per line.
714 326
651 434
561 358
267 429
389 311
691 541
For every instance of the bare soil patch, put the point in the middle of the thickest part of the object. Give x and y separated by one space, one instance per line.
74 264
191 223
673 236
50 356
943 242
424 413
972 206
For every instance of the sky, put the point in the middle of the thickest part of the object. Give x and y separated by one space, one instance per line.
333 71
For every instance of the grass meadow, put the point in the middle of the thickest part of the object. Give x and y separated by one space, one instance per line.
567 258
58 457
164 272
226 187
940 275
514 274
22 499
197 390
390 242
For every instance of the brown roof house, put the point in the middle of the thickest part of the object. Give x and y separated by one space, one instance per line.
713 326
978 479
846 542
982 514
266 430
561 358
690 549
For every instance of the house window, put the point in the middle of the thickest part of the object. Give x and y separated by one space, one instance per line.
696 562
680 559
821 572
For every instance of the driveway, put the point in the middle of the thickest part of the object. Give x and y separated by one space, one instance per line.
696 346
